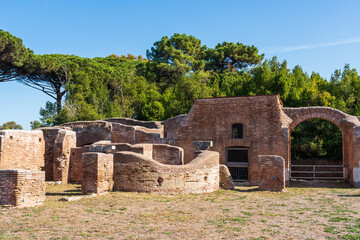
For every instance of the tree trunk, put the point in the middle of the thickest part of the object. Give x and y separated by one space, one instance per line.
58 102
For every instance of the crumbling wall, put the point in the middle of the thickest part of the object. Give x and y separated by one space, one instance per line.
134 122
97 172
171 126
142 136
49 138
212 119
162 153
271 173
168 154
76 163
123 134
22 188
21 149
88 132
64 141
138 173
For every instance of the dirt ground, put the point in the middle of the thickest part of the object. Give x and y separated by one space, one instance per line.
308 210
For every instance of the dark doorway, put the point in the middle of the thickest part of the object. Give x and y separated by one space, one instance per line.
238 163
316 151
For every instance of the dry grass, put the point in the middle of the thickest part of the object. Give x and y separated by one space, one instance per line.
299 213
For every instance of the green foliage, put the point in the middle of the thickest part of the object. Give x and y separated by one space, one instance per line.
15 59
10 125
49 116
316 139
232 56
179 51
179 70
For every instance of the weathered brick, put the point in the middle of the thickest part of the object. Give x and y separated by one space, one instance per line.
271 173
22 188
97 172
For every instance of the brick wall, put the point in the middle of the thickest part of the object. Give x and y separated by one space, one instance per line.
168 154
49 138
21 149
144 149
142 136
88 132
97 172
138 173
64 141
134 122
123 133
271 173
76 164
22 188
212 119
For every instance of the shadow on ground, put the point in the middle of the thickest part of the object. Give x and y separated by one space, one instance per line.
65 193
319 184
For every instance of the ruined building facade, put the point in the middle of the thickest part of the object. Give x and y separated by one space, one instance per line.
248 137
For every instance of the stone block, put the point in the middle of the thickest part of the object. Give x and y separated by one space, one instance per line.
226 181
271 173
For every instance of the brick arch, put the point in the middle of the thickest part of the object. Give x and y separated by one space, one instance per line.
345 122
298 115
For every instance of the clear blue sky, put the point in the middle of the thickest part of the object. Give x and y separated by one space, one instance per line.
320 36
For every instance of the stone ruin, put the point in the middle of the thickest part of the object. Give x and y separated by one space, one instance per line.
245 139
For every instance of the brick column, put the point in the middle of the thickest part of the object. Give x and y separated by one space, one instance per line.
271 173
97 172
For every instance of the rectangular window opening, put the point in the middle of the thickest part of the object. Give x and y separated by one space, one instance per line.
237 130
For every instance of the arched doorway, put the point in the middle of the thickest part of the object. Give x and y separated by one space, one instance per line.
316 151
346 123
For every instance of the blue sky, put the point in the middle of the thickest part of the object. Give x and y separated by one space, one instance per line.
319 36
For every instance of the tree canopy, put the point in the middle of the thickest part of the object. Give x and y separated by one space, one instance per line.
10 125
178 70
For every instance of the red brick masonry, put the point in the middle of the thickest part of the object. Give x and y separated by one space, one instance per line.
22 188
272 173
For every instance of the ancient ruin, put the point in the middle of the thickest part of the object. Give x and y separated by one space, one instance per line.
218 141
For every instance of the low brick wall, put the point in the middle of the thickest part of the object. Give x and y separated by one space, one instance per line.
272 173
162 153
97 172
22 149
22 188
168 154
137 173
144 149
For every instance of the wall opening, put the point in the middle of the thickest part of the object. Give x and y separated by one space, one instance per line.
316 151
237 160
237 130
